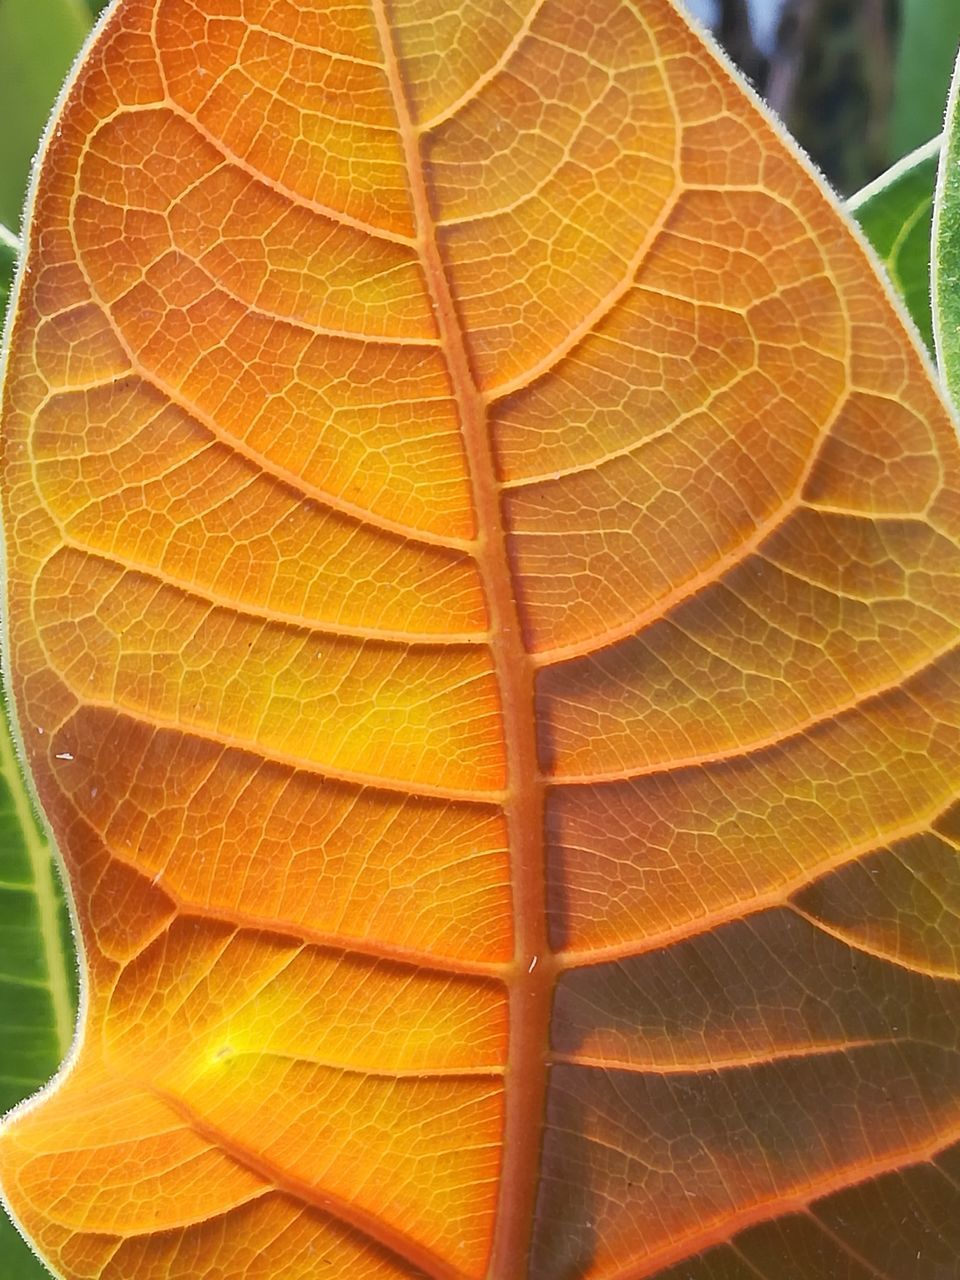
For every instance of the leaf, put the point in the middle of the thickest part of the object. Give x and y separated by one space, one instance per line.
483 591
896 213
38 41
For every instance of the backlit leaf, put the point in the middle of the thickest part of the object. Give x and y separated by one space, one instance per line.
483 583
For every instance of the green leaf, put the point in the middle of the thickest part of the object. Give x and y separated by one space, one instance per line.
38 41
945 273
896 214
37 971
930 34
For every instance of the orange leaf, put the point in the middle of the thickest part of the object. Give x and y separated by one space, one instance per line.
483 573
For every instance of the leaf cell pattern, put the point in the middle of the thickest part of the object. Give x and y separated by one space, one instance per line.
483 575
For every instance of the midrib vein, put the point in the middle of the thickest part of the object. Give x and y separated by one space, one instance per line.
530 976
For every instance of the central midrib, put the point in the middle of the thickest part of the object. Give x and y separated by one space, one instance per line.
531 974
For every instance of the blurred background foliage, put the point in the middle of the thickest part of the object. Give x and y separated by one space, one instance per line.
38 41
859 82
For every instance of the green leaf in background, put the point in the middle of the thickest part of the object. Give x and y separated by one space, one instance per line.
896 214
37 972
945 274
930 33
38 41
